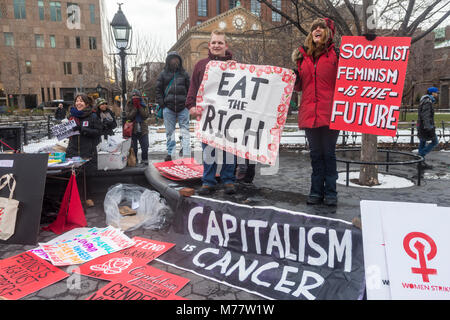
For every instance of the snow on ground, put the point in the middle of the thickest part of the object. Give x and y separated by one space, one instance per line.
387 181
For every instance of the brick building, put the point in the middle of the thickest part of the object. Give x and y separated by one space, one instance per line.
49 50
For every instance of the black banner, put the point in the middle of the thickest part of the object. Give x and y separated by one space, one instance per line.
274 253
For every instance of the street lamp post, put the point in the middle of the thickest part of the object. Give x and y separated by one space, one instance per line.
122 33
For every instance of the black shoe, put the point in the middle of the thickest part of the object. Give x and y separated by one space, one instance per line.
230 188
331 202
168 158
206 190
425 166
314 200
144 163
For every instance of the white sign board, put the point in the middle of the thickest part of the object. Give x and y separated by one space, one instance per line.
418 252
64 130
375 264
244 108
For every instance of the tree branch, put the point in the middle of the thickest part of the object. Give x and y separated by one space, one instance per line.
423 34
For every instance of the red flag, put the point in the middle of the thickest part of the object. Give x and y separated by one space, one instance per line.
71 213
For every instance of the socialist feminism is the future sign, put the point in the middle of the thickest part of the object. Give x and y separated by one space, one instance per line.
369 84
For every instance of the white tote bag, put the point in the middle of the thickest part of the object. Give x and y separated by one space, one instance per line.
8 207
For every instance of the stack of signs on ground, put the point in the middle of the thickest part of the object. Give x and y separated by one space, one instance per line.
113 266
26 273
180 169
142 283
274 253
82 245
406 250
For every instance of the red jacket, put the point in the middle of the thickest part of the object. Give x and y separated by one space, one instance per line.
316 81
197 77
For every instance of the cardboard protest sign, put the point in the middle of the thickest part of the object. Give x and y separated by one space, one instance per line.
274 253
244 108
180 169
113 266
369 85
26 273
64 130
375 264
418 258
142 283
87 246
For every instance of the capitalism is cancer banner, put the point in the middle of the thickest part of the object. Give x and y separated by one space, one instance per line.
369 85
244 108
274 253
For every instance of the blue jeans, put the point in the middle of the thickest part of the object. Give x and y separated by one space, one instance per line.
170 120
322 146
425 148
143 141
210 166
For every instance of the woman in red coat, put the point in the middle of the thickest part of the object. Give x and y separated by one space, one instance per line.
317 62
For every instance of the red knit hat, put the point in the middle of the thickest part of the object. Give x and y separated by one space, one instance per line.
330 24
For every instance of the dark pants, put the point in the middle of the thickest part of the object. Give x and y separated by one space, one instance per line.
322 146
210 166
246 171
143 141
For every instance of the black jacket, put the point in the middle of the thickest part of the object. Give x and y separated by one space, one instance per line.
85 144
425 122
108 122
174 97
60 113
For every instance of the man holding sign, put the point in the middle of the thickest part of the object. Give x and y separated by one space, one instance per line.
217 51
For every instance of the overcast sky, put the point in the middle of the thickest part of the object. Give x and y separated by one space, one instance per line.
154 17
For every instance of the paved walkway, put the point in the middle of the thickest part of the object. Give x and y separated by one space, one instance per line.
287 189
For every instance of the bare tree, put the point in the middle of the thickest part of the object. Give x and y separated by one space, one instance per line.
412 18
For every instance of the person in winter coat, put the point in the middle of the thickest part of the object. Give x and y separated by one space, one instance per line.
218 50
138 112
172 87
106 116
425 124
317 63
85 143
60 112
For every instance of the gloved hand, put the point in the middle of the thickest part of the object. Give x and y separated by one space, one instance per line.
370 36
77 128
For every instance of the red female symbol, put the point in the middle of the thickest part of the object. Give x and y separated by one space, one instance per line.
420 247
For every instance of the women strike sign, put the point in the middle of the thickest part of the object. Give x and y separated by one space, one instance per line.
244 108
369 85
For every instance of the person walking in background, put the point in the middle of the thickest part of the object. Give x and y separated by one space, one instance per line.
317 63
138 112
106 116
60 112
218 50
172 87
425 124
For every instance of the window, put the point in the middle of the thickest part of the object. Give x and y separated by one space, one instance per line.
67 68
92 43
52 41
55 11
255 7
276 16
9 39
232 4
202 8
39 40
80 68
71 10
43 94
41 9
92 12
54 93
28 66
19 9
218 7
78 42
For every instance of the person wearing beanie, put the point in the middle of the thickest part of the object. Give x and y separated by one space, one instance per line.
138 112
425 124
317 61
172 87
106 116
